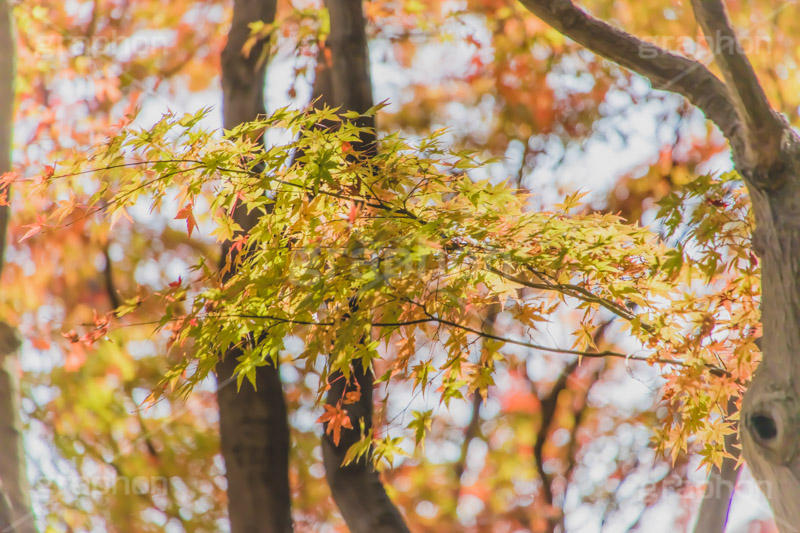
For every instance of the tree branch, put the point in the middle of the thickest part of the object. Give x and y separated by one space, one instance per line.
764 127
593 354
470 432
473 427
574 291
549 404
579 415
713 514
548 411
664 69
713 370
108 281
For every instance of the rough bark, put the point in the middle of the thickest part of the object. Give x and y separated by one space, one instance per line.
770 429
15 505
766 152
356 488
254 428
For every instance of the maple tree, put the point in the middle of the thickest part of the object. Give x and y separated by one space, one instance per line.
363 260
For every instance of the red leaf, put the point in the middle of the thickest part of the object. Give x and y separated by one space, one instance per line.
186 213
353 214
34 229
238 243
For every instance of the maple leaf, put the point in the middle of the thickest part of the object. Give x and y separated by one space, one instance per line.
8 177
71 336
238 243
34 229
352 397
528 315
336 418
352 215
421 424
186 213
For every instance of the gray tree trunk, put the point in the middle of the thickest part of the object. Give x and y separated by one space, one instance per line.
766 152
15 505
356 488
254 428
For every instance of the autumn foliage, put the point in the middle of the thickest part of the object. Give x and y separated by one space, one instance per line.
502 308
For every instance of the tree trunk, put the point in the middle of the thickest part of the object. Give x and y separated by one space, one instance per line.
770 428
766 152
255 444
356 488
15 505
254 428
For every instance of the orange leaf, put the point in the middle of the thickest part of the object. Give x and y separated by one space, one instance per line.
71 336
337 418
186 213
352 396
34 229
353 214
7 178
